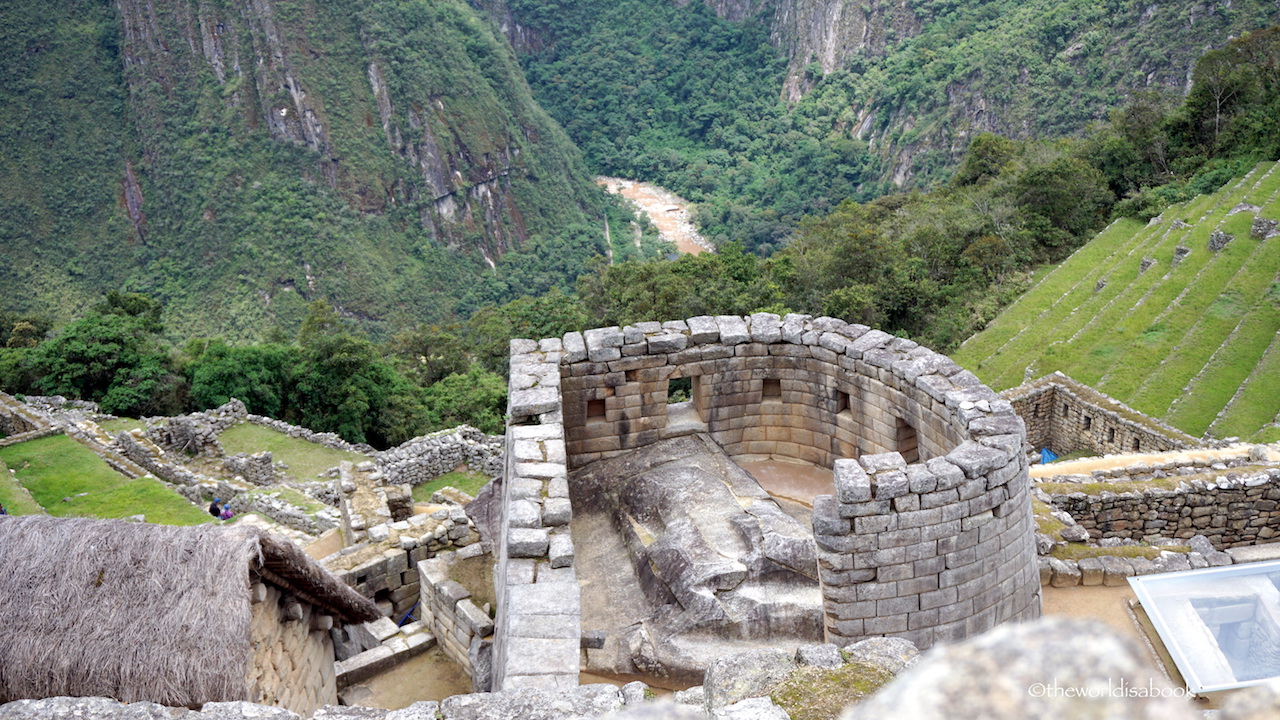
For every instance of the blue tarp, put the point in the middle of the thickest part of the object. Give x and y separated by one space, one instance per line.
1047 455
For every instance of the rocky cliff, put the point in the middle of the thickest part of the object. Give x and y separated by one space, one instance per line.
313 147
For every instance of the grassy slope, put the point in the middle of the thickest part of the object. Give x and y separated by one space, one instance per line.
306 460
468 481
1174 342
55 467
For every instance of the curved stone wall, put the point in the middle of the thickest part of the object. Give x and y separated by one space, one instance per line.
928 532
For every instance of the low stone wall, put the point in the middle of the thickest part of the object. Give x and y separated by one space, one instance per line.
427 457
461 628
1235 510
148 457
292 665
256 468
1067 416
329 440
271 504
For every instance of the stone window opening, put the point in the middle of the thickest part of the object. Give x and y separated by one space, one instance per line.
679 390
1066 409
686 406
1039 410
1088 422
1137 444
1111 435
906 440
771 389
842 401
595 410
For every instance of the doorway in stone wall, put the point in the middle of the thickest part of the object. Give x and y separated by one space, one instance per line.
906 441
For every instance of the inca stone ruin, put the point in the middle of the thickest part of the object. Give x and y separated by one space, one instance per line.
924 532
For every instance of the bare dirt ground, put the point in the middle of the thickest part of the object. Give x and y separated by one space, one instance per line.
1087 465
668 212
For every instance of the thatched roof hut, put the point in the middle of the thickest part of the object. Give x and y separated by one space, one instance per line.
146 612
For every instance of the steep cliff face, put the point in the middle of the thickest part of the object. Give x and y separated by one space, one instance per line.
829 33
269 152
321 77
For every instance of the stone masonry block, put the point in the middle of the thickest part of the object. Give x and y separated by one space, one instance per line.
766 328
702 330
527 542
883 461
733 329
890 485
668 343
851 481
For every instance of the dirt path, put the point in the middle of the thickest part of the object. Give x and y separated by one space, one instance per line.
1087 465
668 212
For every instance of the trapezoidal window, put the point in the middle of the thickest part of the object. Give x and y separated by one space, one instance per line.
1111 435
842 401
1088 422
771 389
1065 409
908 444
1137 444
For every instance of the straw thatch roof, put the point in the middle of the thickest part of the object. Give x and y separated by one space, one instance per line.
142 612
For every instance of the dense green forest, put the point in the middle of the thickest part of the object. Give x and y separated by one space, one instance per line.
673 94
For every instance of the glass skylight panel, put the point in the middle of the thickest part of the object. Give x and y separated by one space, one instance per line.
1220 625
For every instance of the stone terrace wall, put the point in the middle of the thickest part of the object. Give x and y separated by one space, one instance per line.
1237 510
1066 416
929 535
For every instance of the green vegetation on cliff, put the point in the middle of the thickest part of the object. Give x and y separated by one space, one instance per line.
236 160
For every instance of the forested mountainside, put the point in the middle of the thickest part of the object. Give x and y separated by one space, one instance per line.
238 158
766 110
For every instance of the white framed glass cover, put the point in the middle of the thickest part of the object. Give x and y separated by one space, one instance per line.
1221 625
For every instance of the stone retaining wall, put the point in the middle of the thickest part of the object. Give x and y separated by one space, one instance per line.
1232 511
292 665
426 458
1066 416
